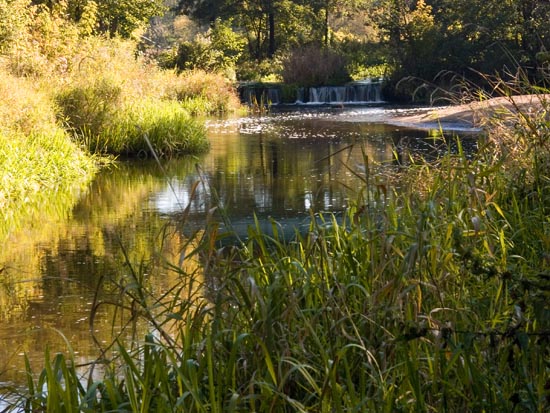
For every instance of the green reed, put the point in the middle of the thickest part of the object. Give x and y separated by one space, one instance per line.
106 123
169 129
430 295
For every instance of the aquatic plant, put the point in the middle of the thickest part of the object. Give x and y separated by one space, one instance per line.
132 128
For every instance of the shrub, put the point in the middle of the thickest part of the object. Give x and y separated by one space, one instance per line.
14 17
314 66
88 109
204 93
265 71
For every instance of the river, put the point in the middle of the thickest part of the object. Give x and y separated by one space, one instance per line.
280 166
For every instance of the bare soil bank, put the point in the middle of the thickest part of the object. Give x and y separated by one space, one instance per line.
475 115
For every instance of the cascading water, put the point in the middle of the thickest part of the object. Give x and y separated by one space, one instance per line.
362 92
354 93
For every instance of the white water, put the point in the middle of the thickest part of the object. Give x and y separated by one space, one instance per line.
355 93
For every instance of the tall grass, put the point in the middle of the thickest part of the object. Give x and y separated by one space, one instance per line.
99 118
112 113
424 298
37 158
204 93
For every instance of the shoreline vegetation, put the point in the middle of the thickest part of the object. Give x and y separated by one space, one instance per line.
431 294
60 124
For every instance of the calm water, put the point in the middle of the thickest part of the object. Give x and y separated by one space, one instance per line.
279 166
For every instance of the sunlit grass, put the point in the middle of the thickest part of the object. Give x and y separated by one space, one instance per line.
143 127
204 93
35 168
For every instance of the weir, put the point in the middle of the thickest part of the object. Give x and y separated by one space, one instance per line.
355 93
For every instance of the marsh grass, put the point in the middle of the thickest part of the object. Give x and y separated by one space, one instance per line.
423 298
38 159
109 117
136 128
106 121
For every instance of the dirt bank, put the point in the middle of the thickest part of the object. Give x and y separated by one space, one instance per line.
473 115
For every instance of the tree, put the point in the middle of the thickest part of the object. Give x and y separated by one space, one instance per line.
427 37
14 17
114 17
533 34
327 9
269 25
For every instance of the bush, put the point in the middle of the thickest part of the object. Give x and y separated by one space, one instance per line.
313 66
88 109
152 124
204 93
14 18
267 70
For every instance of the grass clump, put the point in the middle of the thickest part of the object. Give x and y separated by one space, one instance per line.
37 157
90 108
204 93
106 123
163 127
112 114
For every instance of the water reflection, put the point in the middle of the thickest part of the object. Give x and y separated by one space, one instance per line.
279 166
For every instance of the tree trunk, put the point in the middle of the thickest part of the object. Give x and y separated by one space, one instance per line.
271 18
327 27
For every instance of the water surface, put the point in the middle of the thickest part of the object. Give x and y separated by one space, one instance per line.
281 166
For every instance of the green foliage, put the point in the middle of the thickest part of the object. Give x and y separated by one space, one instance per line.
58 387
113 17
191 55
14 17
228 42
218 51
88 20
123 17
90 108
466 38
427 296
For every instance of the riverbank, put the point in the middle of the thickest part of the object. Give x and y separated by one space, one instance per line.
472 116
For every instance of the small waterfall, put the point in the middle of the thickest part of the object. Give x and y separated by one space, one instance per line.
354 93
